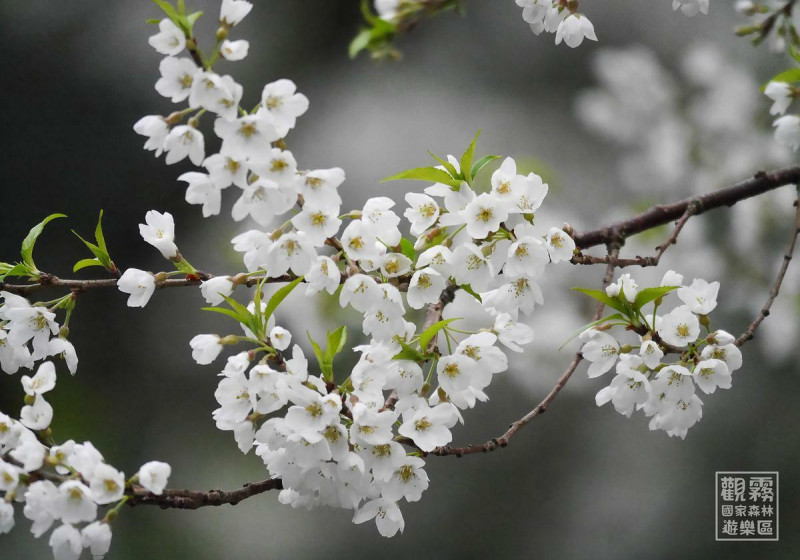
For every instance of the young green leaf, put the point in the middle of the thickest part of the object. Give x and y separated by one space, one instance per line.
409 353
426 337
449 167
614 317
467 288
481 163
336 341
407 248
466 159
327 375
230 313
604 298
279 296
430 174
649 294
33 235
792 75
18 269
84 263
168 9
359 42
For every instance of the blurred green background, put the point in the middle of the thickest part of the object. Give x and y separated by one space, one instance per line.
580 482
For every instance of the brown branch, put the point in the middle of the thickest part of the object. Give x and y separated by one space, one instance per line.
502 441
663 214
193 499
773 293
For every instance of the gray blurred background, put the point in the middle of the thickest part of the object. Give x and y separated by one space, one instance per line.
579 482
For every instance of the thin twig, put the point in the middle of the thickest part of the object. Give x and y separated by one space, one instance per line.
502 441
193 499
773 293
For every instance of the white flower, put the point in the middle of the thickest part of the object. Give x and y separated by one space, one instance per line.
42 382
107 484
672 278
203 190
247 137
177 75
628 389
394 265
219 94
318 222
626 285
691 7
781 94
139 284
456 372
6 517
512 334
323 275
472 267
728 353
97 538
430 427
358 241
159 231
422 212
601 349
233 12
28 323
290 251
84 458
387 515
74 503
787 131
710 374
64 348
280 166
700 297
387 9
321 185
66 542
426 286
651 354
39 499
205 348
224 170
280 338
215 288
439 258
408 481
559 245
183 141
262 200
156 130
153 476
281 102
679 327
234 50
9 476
371 427
170 40
359 291
381 221
483 215
527 256
574 29
512 297
38 415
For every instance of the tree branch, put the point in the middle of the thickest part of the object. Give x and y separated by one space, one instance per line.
773 293
663 214
193 499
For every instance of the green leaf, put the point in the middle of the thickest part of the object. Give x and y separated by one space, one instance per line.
430 174
614 317
243 315
359 42
153 21
407 248
320 357
33 235
449 167
167 9
792 75
366 11
222 310
649 294
336 341
84 263
279 296
192 18
18 269
98 234
481 163
604 298
409 353
426 337
467 288
467 157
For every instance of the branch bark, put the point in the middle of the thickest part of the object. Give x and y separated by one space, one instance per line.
193 499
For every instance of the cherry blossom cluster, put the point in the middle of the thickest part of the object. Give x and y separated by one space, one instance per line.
63 483
787 127
560 17
353 441
646 380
